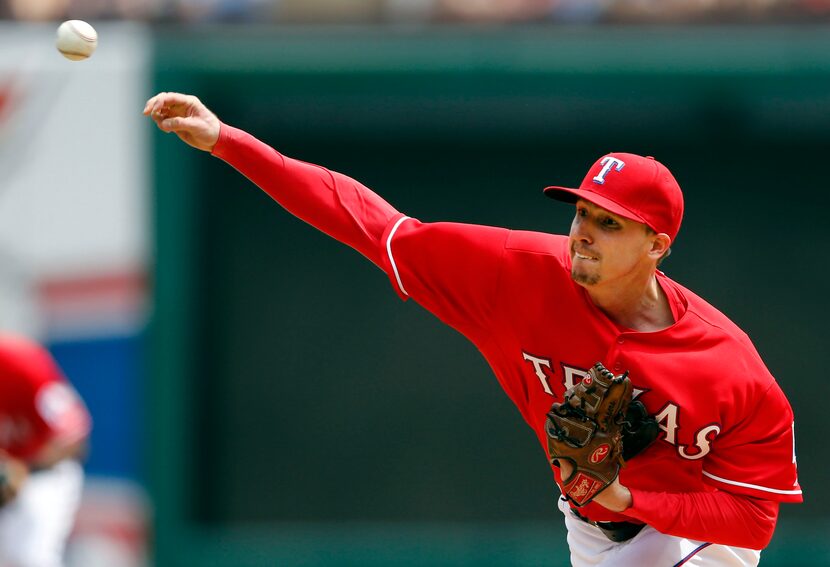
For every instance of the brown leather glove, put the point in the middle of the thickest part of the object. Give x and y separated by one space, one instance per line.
586 429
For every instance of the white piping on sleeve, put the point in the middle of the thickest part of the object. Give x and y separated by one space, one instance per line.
389 253
747 485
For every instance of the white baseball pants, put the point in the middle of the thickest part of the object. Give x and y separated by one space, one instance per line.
34 527
590 548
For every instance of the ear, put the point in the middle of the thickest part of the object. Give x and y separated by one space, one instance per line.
660 244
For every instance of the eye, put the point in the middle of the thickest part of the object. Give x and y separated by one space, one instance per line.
608 222
581 212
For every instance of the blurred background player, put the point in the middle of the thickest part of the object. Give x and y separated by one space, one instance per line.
44 427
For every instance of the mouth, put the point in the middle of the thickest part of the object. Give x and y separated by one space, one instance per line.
584 256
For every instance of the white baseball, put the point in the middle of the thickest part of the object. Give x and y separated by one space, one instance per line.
76 39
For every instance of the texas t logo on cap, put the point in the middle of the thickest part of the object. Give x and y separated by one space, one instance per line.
632 186
608 162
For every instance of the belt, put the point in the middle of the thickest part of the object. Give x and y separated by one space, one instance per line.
615 531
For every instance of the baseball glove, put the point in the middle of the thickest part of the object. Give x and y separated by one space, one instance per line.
597 427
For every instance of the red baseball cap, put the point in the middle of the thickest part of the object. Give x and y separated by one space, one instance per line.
632 186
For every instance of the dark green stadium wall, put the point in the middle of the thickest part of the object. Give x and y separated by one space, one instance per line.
305 415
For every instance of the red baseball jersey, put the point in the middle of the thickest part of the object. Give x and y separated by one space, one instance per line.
726 424
37 403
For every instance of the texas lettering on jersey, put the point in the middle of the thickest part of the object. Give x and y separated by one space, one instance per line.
667 417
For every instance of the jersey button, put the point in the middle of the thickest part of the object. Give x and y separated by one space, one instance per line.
620 340
618 367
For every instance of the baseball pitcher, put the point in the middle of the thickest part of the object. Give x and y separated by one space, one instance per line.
668 437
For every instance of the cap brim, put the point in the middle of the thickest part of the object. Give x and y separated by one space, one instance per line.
569 195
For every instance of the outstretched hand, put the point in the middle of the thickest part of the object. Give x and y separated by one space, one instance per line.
185 116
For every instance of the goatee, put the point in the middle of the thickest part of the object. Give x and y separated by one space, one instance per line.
584 279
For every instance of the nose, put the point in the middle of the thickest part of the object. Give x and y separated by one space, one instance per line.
580 231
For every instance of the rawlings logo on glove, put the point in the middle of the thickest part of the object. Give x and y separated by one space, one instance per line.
597 427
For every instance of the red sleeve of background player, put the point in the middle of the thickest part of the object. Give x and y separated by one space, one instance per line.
330 201
756 457
54 409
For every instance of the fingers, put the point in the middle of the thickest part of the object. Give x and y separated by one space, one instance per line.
180 124
185 116
158 101
164 104
171 111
